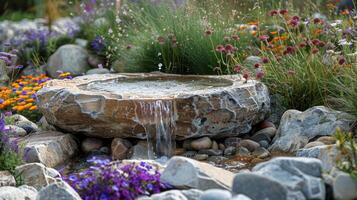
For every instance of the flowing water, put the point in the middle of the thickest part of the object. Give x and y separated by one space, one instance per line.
159 122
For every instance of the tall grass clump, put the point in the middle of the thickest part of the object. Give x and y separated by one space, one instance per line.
146 37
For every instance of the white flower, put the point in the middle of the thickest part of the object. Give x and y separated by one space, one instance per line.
336 22
110 31
159 54
344 42
160 66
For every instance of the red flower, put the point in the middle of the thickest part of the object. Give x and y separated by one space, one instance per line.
246 75
237 68
297 18
322 44
229 48
220 48
283 12
302 45
294 23
273 13
341 60
256 65
260 74
208 32
129 46
265 60
315 42
317 21
315 50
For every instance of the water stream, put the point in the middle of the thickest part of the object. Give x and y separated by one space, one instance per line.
157 117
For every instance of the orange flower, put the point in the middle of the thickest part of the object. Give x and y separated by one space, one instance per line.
33 108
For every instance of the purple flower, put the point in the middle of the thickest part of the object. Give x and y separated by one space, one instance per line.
98 44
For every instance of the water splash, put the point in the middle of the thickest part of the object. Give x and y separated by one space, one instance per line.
158 120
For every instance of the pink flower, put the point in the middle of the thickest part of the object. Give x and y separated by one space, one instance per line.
229 48
283 12
297 18
314 50
273 13
260 74
294 23
237 68
264 37
220 48
256 65
265 60
161 40
235 37
246 75
341 60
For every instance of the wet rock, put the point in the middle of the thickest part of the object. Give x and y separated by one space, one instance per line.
48 147
139 151
37 175
214 145
68 58
301 177
261 153
313 144
260 137
230 151
91 144
242 151
192 194
15 131
23 192
179 151
344 187
249 144
216 194
87 105
23 122
200 157
297 128
327 140
258 187
201 143
120 148
58 191
211 152
98 71
264 144
7 179
232 141
183 172
327 154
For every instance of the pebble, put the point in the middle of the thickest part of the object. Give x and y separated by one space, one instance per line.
230 151
200 157
211 152
242 151
189 154
232 141
249 144
201 143
261 153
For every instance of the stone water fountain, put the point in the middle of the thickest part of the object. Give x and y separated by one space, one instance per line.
158 107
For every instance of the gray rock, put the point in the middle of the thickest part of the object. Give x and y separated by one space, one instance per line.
81 42
21 193
217 159
270 132
211 152
49 148
297 128
98 71
7 179
277 108
192 194
183 172
261 153
34 71
264 144
201 143
15 131
120 148
242 151
37 175
344 187
301 177
200 157
189 154
260 137
91 144
232 141
258 187
23 122
313 144
68 58
328 154
45 126
229 151
214 145
216 194
241 197
249 144
169 195
4 78
58 191
140 151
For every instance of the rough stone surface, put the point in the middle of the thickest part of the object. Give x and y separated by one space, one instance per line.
328 154
258 187
98 71
313 144
37 175
261 153
327 140
139 151
23 192
91 144
300 176
58 191
229 108
249 144
344 187
200 157
201 143
7 179
68 58
216 194
297 128
169 195
269 131
15 131
120 148
23 122
49 148
184 173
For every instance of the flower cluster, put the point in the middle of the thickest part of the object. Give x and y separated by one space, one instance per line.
113 180
21 96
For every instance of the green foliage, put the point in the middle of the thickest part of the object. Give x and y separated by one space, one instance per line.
9 160
347 145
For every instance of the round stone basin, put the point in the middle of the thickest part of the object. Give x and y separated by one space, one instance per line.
158 87
131 105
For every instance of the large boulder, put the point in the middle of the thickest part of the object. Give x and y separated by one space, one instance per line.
23 192
183 173
68 58
37 175
58 191
344 187
49 148
297 128
129 105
